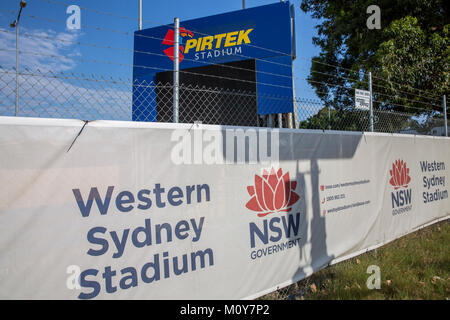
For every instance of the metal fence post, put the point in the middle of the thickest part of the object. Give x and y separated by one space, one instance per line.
445 115
140 14
329 118
370 102
289 120
176 69
270 120
15 24
17 70
280 120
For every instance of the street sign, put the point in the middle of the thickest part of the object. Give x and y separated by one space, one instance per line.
362 99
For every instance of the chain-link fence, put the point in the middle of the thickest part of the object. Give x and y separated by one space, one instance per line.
88 97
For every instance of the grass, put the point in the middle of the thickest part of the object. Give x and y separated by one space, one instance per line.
416 266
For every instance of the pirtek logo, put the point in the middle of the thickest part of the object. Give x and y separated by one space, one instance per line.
169 40
230 39
271 193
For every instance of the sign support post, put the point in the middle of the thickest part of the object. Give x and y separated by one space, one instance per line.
176 69
270 120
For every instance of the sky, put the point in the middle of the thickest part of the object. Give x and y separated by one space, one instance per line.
104 44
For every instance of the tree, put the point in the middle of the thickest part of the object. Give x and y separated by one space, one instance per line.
349 119
409 52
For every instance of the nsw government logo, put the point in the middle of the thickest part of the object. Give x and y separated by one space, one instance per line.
273 192
401 196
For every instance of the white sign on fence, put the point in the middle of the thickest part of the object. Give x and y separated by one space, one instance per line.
362 99
117 216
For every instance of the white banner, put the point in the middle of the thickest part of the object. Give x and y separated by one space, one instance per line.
132 210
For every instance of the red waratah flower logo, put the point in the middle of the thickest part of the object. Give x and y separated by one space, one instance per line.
272 192
399 175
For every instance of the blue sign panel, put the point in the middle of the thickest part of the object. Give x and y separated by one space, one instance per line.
262 34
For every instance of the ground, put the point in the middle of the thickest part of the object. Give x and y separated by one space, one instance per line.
416 266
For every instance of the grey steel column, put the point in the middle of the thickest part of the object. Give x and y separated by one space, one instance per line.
289 119
176 69
270 120
140 14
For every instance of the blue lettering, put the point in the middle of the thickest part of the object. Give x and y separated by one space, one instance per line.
108 275
125 197
155 266
181 229
92 239
85 208
133 277
147 232
276 229
197 229
199 192
147 203
173 194
120 244
291 225
89 284
262 235
158 229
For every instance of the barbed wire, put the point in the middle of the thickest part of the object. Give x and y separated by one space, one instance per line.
29 35
64 75
402 98
64 4
285 98
167 25
405 106
150 37
393 82
148 67
226 66
405 92
162 69
221 65
313 60
367 82
153 68
73 76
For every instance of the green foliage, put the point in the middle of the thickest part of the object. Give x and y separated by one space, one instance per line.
358 120
329 119
409 52
413 267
